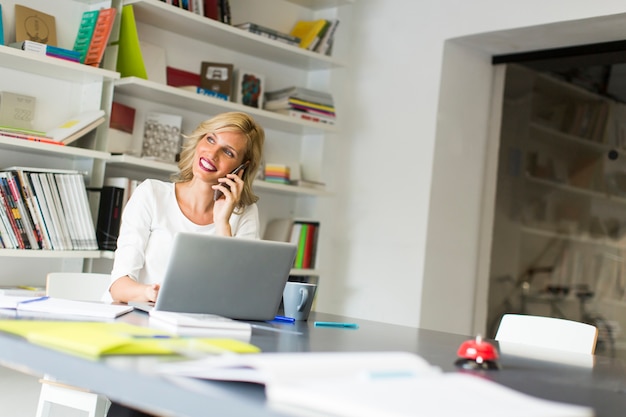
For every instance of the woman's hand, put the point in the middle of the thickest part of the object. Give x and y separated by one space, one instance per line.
126 289
225 205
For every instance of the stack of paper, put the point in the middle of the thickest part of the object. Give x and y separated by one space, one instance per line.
59 306
193 324
373 384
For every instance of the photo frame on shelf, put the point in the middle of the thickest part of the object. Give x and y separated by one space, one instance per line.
250 88
34 25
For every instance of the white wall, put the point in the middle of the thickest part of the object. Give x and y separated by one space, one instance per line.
410 199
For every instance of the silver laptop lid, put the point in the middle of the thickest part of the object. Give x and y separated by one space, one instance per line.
231 277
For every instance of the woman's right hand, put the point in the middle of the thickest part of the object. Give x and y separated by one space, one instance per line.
151 292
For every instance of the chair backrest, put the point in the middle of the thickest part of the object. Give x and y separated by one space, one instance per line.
81 286
547 332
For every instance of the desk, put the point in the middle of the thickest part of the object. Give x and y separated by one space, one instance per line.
131 380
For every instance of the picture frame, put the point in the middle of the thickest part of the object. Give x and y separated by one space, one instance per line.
250 88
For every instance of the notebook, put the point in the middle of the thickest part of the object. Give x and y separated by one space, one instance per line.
236 278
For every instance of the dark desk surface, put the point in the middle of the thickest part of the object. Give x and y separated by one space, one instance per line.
131 379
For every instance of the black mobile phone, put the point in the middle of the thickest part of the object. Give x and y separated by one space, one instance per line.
217 194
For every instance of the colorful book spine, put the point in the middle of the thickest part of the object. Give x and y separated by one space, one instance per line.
100 36
85 32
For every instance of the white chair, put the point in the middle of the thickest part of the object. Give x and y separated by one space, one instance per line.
547 338
83 287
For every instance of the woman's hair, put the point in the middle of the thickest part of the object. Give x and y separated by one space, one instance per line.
227 122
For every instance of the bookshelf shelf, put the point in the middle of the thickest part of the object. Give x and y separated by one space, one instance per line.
296 272
290 189
28 253
321 4
184 23
23 61
573 238
567 139
146 165
186 100
70 152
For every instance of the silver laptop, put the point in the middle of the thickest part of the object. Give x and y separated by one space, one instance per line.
231 277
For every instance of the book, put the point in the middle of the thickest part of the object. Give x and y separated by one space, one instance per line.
34 25
307 31
369 384
109 217
308 116
60 306
180 78
23 291
85 32
269 33
205 92
1 27
77 126
212 9
323 47
97 339
217 77
48 50
100 36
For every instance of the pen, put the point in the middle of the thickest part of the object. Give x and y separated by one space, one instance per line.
284 319
336 324
34 300
154 336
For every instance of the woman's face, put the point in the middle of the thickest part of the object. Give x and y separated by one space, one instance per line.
218 153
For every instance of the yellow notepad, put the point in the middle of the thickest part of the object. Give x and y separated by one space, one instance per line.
95 339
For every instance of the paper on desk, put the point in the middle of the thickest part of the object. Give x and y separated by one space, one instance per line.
94 339
443 394
370 384
61 306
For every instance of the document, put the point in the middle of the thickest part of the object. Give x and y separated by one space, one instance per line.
96 339
192 324
371 384
60 306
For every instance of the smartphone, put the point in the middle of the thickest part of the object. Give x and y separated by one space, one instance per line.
217 194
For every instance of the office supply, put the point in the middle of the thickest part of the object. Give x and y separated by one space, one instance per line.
94 339
58 306
205 276
198 324
336 324
284 319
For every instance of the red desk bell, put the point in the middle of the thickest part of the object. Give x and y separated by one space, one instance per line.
477 354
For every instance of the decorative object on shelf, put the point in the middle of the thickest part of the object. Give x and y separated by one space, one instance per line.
269 33
33 25
17 110
217 77
129 58
161 136
121 126
249 89
181 78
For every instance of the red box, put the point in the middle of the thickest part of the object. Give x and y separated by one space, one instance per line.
180 78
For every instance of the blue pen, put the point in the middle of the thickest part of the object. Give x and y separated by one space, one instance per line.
336 324
284 319
33 300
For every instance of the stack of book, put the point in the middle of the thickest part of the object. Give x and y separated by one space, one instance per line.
45 209
48 50
277 173
93 35
269 33
316 35
302 103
